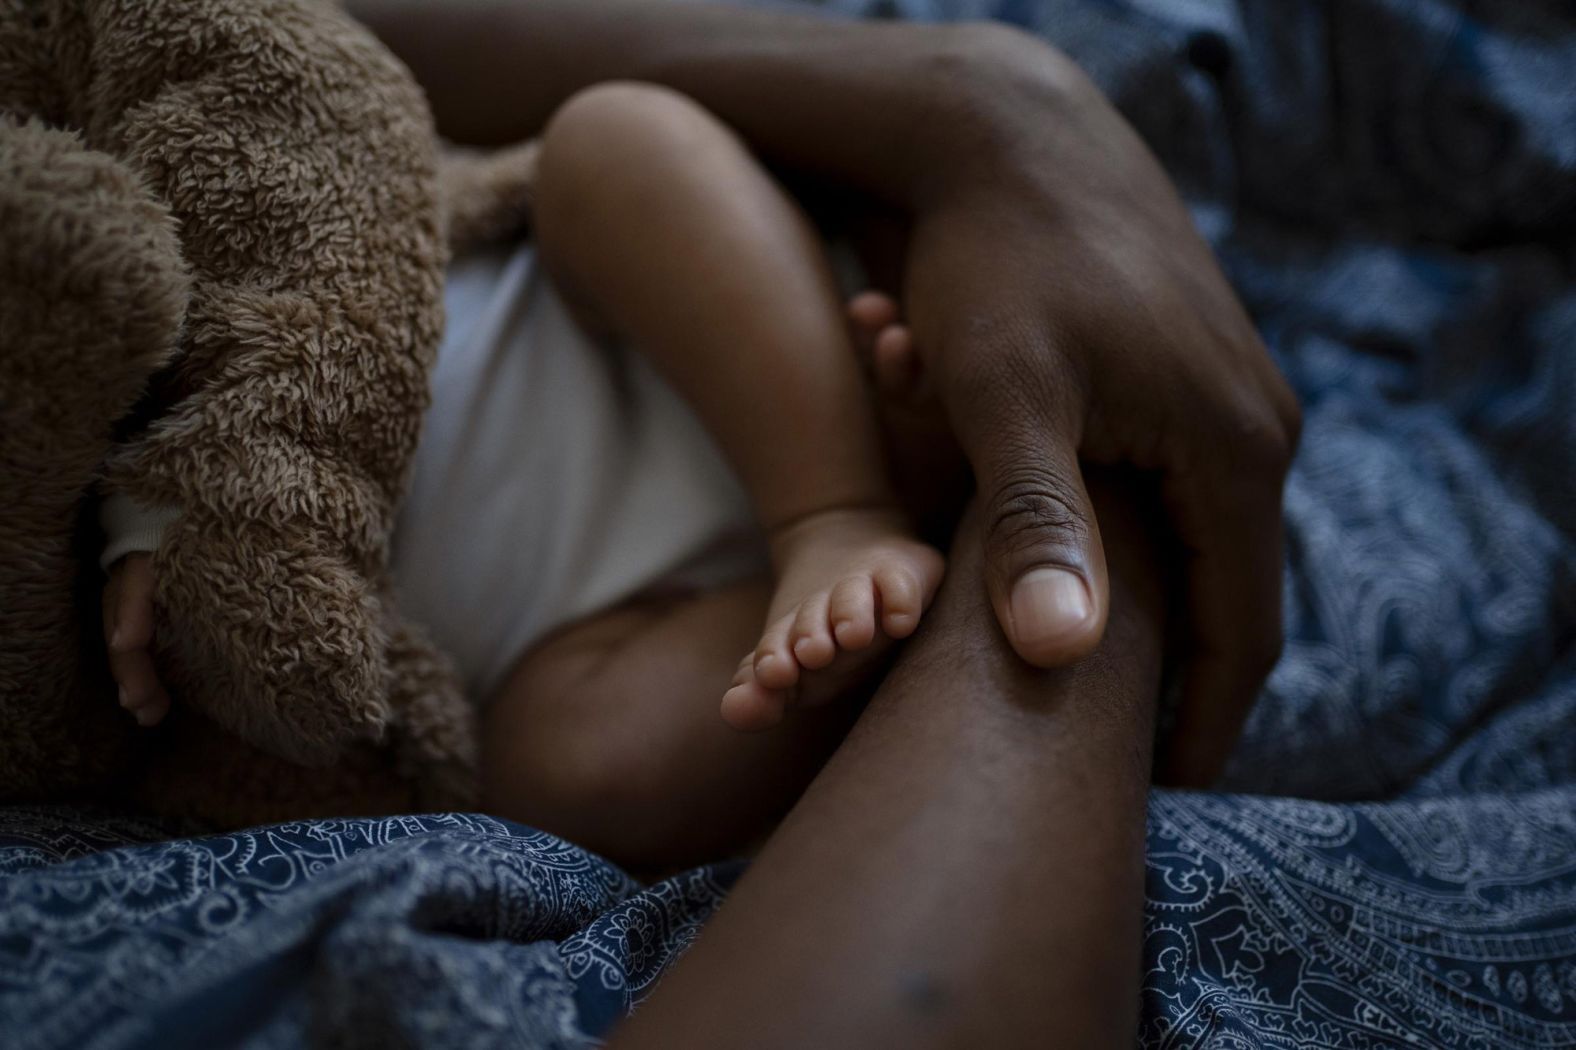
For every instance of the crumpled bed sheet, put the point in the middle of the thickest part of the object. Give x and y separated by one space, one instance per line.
1392 187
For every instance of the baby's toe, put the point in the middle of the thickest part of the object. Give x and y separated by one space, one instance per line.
896 365
745 672
775 666
853 612
869 314
812 640
750 707
871 311
902 600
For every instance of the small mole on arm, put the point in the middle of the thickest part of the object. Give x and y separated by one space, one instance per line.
922 992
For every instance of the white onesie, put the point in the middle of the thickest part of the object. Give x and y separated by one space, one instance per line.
555 477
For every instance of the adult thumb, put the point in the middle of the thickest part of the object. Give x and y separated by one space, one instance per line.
1044 564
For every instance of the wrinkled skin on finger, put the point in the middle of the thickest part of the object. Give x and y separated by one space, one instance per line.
1072 314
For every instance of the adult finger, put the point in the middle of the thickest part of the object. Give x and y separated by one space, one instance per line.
1229 522
1045 569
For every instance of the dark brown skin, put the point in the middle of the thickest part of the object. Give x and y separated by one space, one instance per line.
1068 310
967 870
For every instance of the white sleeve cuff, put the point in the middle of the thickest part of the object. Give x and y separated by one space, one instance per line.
129 527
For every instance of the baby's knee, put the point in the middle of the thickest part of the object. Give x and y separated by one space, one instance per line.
622 130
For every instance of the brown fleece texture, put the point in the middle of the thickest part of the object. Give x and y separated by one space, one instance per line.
487 194
221 263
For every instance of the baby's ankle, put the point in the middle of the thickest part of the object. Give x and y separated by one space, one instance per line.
875 519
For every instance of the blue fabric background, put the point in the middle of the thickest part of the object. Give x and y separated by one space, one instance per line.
1391 185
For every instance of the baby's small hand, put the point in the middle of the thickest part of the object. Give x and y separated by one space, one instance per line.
128 630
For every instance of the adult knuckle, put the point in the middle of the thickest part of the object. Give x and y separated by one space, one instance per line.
958 54
1262 440
988 56
1032 505
996 41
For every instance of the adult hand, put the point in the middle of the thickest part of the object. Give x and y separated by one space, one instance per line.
1069 311
1062 300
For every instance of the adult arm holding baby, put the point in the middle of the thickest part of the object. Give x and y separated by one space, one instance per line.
1070 315
1068 309
967 870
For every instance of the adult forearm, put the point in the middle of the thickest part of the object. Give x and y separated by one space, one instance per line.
879 105
968 869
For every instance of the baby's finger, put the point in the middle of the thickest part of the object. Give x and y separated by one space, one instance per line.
141 693
152 713
131 626
111 602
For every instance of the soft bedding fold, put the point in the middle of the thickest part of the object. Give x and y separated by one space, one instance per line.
1392 187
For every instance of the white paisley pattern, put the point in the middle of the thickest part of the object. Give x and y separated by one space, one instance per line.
1391 185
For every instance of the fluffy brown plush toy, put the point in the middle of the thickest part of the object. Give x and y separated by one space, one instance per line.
237 199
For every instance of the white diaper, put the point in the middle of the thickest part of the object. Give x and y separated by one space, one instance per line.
556 476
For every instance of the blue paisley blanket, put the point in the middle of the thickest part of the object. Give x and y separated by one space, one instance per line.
1391 185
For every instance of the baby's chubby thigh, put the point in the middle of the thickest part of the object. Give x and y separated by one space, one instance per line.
607 733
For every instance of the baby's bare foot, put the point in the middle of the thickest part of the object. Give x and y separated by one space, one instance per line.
849 582
928 467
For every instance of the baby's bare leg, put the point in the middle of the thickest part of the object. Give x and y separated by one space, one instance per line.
607 734
656 217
